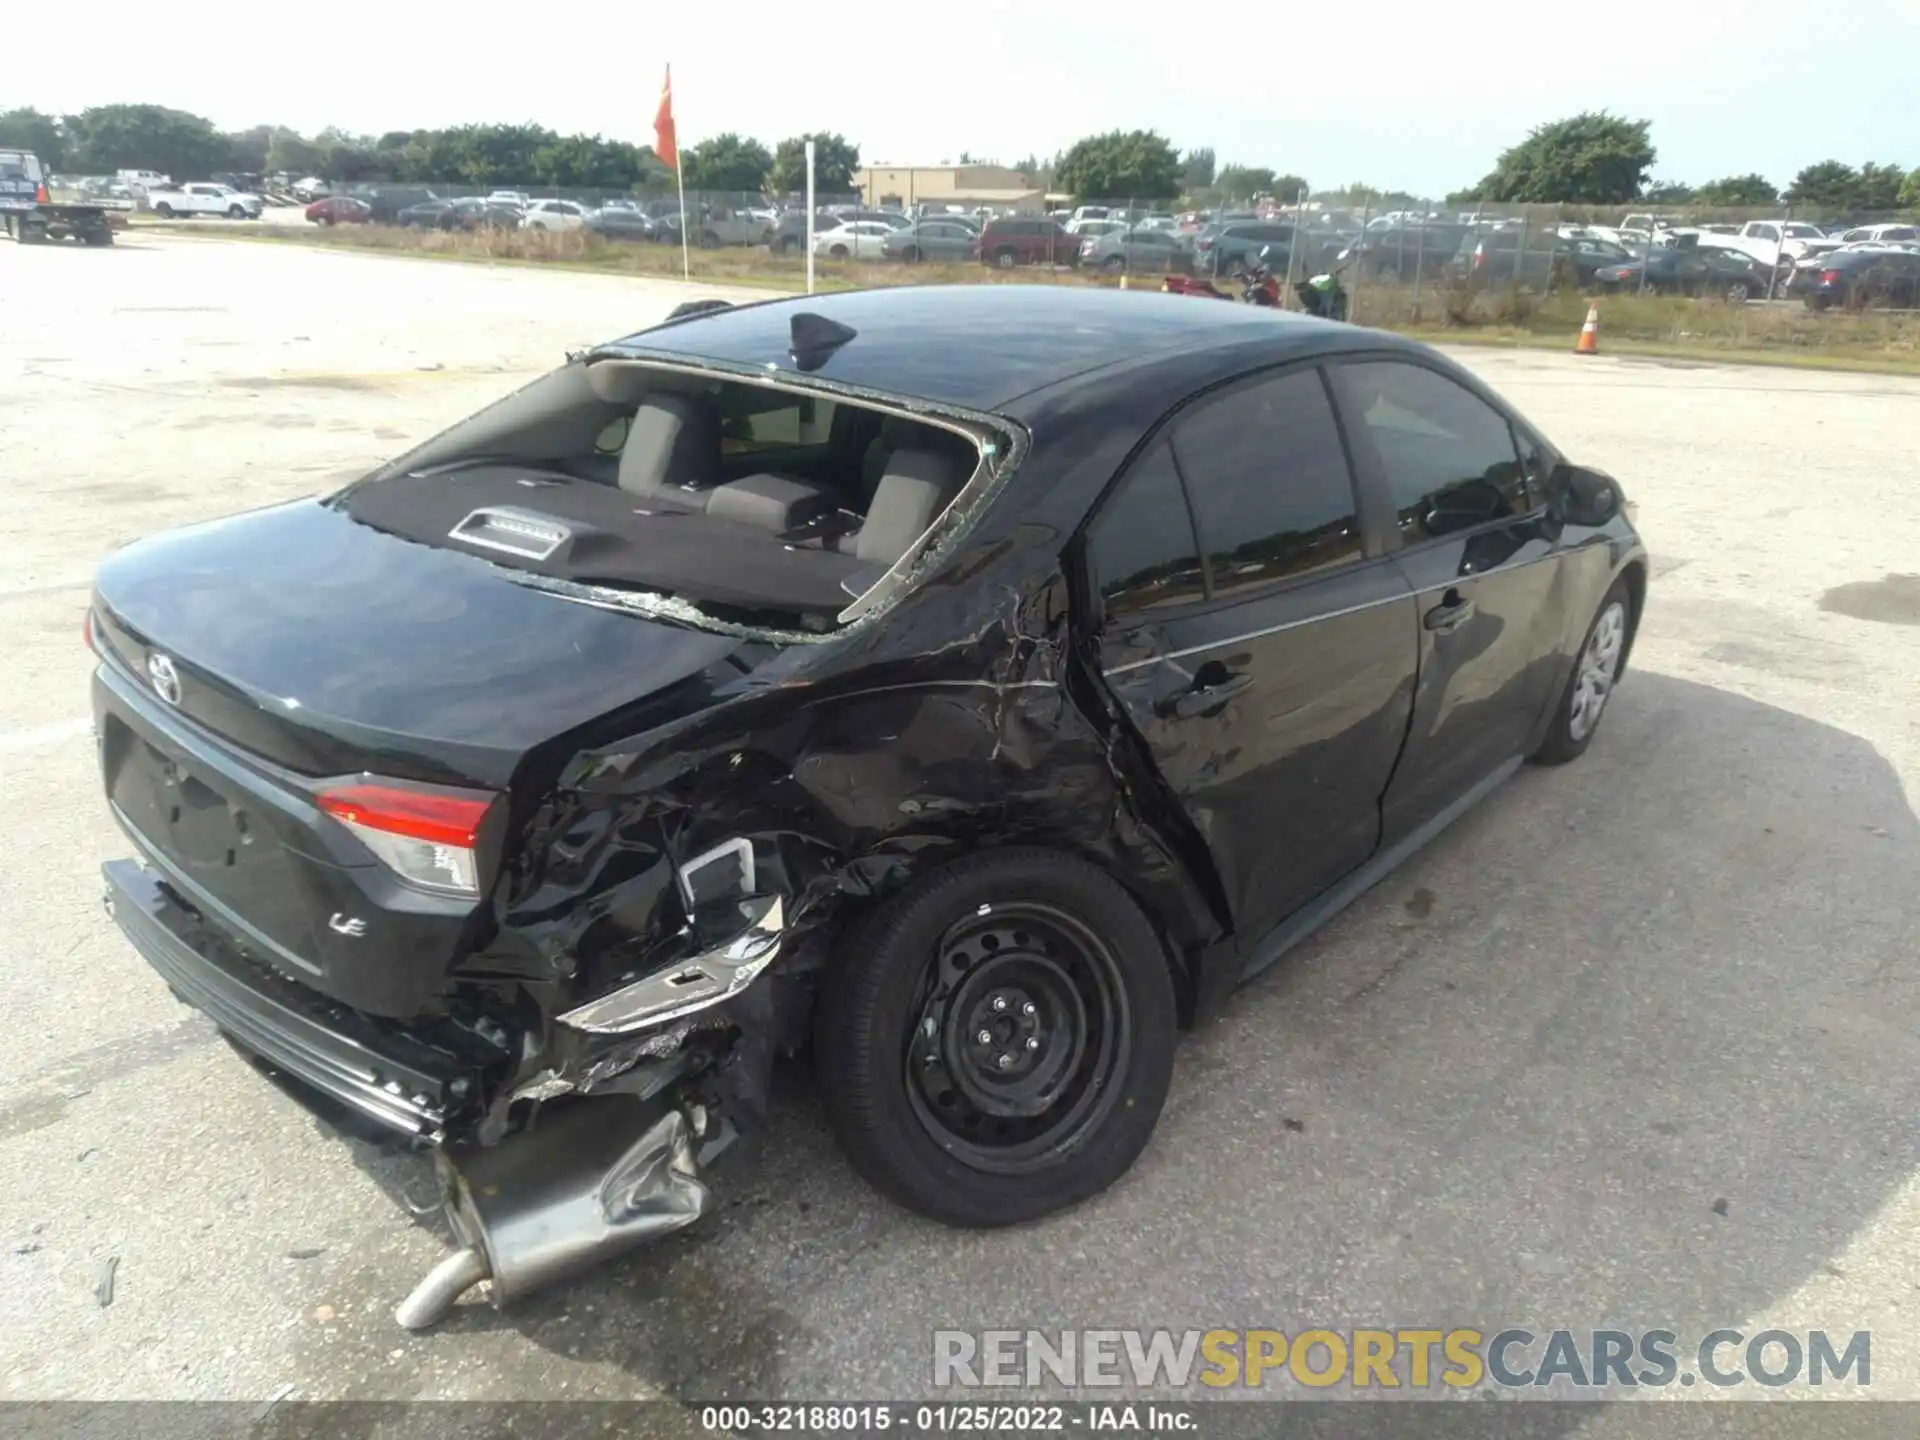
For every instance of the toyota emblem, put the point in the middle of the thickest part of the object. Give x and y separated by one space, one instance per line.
166 679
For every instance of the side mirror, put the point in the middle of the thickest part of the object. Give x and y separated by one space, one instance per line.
1579 496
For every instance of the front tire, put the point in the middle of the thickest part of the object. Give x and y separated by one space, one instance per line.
236 212
163 210
995 1042
1596 671
838 252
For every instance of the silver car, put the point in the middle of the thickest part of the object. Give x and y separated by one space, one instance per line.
932 240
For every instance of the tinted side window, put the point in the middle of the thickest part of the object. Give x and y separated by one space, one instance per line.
1269 480
1141 546
1448 456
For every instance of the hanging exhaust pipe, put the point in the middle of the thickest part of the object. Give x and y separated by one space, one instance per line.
591 1179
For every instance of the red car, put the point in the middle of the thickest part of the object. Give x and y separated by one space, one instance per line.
339 210
1007 243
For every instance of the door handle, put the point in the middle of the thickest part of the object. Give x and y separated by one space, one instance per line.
1449 614
1189 703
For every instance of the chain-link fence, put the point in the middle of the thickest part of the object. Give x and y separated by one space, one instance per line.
1402 260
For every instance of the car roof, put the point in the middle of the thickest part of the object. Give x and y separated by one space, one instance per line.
981 347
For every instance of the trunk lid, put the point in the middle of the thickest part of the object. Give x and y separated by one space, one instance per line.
328 647
250 656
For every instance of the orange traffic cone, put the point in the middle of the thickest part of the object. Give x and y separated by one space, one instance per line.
1589 341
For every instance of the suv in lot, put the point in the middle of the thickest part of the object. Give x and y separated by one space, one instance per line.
1007 243
1220 249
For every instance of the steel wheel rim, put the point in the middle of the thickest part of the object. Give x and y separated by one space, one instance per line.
1598 669
1046 991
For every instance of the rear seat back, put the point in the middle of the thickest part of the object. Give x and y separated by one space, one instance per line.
915 487
672 450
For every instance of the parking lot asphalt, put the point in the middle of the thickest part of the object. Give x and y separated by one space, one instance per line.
1634 1044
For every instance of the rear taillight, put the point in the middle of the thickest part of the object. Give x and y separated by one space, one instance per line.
429 837
1829 277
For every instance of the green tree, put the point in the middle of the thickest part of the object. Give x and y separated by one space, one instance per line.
1879 187
1120 165
1197 169
1910 191
1830 184
292 152
726 162
1737 190
1669 192
835 158
1289 188
1593 158
149 137
28 129
1243 182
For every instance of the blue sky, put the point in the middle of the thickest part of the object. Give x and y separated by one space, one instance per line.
1405 93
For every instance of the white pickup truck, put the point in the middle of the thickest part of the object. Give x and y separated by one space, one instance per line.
1777 242
205 199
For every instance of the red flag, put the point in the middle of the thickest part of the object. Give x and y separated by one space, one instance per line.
663 145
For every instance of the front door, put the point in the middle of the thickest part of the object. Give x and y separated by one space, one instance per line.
1477 551
1262 655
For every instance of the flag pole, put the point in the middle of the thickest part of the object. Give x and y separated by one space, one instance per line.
809 215
680 178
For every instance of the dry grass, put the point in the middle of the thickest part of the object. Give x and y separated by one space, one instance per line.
1781 333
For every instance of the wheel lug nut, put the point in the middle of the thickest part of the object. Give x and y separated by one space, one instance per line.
999 1002
985 1037
1028 1009
1006 1062
1033 1042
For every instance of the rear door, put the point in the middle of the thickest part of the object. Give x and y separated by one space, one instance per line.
1473 542
1262 651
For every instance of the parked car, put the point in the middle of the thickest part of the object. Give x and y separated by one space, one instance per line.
1691 267
620 223
934 238
311 188
1027 241
853 240
1891 230
603 863
715 225
429 215
1157 252
339 210
1221 249
1497 257
1404 251
387 201
205 198
1776 242
553 215
517 198
1856 279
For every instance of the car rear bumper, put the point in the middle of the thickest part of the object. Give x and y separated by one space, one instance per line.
372 1068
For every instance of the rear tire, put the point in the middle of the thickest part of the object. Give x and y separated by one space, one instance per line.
101 236
910 255
1739 292
163 210
838 252
1596 672
1056 965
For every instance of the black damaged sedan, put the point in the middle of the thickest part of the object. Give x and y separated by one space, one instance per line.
971 685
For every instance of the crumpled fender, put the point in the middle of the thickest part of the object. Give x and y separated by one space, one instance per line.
851 773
